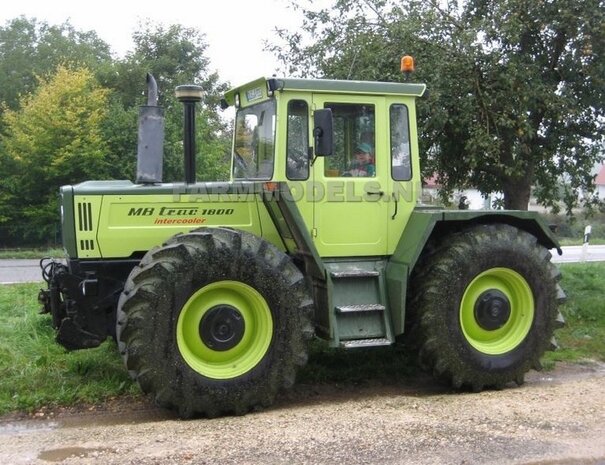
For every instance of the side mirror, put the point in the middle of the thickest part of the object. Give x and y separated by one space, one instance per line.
322 132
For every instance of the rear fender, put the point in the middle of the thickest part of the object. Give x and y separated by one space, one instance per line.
425 225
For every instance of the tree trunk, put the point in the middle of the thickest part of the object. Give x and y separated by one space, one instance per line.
516 194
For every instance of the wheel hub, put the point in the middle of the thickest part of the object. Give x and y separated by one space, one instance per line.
492 310
222 327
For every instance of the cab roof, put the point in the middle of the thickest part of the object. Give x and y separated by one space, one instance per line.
329 86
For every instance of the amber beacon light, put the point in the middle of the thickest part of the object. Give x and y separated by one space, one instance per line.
407 64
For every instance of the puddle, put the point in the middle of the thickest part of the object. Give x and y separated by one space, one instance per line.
567 371
26 427
86 419
58 455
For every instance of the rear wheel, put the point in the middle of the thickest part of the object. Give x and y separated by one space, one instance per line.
215 321
484 303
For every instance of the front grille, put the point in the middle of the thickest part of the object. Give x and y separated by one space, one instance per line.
85 216
87 244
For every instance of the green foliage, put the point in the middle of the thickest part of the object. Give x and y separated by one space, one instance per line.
119 131
30 52
214 147
57 129
516 88
54 139
573 227
174 55
31 253
30 48
35 371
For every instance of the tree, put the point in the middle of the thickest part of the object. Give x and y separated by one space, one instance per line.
175 55
45 141
516 88
29 48
55 138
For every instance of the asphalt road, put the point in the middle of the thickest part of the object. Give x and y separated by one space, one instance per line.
20 271
579 253
28 271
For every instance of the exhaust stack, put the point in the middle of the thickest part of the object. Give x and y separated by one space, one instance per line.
189 95
150 145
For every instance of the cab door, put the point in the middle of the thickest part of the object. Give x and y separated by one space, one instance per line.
350 202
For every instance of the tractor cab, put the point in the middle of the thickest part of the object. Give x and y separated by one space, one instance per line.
347 151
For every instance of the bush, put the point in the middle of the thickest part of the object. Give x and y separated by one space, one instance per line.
573 228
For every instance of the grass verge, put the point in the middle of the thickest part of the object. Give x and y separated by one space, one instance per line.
567 241
31 253
36 372
583 336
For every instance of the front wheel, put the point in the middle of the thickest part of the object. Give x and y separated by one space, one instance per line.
215 321
484 303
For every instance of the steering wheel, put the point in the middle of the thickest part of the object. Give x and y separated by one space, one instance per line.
240 162
299 157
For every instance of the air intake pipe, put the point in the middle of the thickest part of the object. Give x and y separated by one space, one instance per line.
189 95
150 144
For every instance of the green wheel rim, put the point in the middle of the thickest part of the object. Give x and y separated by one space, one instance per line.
515 329
247 353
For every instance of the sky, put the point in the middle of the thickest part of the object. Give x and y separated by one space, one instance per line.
235 29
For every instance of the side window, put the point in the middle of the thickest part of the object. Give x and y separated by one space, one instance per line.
354 141
297 148
400 143
254 141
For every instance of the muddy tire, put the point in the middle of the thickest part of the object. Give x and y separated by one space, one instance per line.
484 306
214 322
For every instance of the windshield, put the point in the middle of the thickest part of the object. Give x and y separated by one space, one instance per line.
253 147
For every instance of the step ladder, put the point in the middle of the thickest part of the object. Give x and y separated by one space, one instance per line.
359 314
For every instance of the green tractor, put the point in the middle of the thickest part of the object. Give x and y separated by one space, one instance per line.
214 290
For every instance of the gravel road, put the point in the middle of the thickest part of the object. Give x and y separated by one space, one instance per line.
556 418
